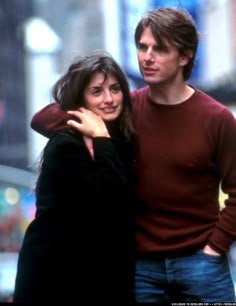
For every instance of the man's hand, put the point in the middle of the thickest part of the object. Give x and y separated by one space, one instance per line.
208 250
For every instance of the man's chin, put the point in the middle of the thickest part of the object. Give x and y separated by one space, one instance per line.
150 79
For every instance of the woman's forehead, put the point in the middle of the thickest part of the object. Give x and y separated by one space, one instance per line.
101 77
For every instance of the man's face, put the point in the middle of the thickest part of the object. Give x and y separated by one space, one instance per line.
159 66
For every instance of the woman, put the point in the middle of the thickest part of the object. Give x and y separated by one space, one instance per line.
80 244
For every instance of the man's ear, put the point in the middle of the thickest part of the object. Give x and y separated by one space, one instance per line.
186 57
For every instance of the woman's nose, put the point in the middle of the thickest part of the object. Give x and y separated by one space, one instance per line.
108 96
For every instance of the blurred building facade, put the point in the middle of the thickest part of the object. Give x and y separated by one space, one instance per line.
218 77
81 26
13 145
40 38
86 25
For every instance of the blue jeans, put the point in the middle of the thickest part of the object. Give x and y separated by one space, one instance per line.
194 278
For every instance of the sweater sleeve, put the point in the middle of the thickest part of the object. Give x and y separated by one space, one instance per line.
50 120
225 230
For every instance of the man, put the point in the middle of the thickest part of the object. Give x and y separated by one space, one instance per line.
186 150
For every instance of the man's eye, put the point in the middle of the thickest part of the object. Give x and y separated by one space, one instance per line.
161 49
142 47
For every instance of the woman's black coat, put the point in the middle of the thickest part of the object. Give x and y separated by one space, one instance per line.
80 245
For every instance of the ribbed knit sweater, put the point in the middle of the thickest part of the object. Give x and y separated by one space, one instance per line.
184 152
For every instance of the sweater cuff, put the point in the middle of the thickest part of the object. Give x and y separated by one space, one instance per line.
220 241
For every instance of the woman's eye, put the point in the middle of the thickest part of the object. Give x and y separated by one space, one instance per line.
115 88
96 91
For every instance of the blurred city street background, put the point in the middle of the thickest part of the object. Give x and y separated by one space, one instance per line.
39 39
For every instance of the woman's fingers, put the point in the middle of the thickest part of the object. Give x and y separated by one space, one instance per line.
89 123
76 113
74 124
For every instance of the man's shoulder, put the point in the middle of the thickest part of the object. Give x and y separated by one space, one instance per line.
139 96
208 100
139 92
211 107
206 97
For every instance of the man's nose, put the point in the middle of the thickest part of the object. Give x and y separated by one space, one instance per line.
149 54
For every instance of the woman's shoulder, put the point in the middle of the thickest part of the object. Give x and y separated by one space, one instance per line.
64 149
65 137
64 141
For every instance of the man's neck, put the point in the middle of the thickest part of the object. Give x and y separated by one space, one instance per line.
170 95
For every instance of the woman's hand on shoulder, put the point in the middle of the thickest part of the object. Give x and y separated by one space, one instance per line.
90 124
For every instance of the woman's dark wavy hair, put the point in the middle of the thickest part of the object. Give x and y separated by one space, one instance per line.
68 91
175 25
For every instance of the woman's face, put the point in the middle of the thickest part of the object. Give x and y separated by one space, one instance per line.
104 97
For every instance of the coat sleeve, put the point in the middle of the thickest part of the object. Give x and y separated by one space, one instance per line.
71 166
